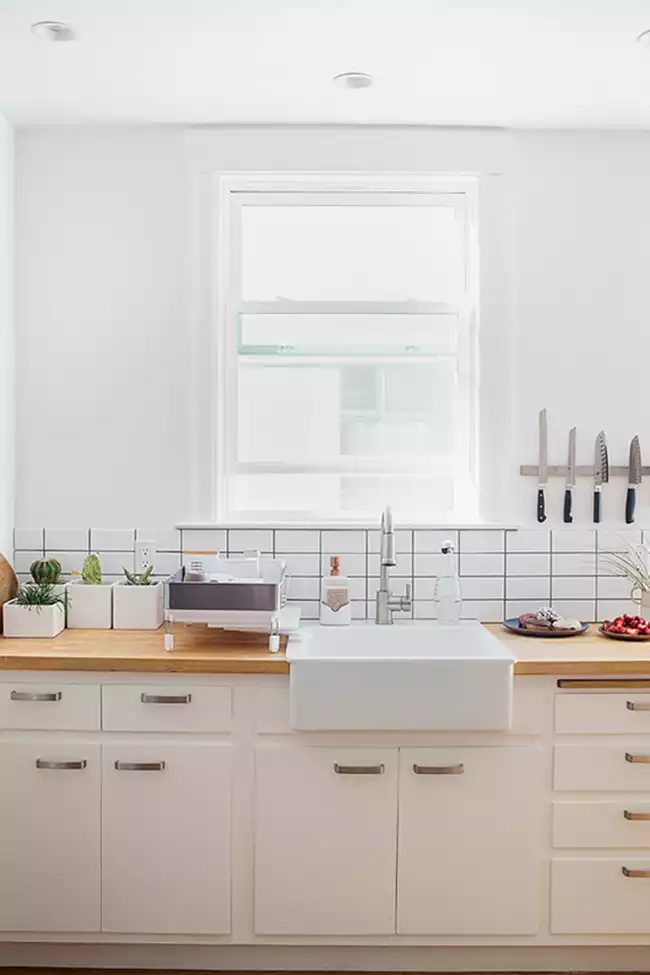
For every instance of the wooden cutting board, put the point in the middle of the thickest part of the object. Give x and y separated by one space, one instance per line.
8 584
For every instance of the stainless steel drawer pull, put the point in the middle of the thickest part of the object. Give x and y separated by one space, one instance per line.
139 766
637 759
166 698
633 706
61 766
30 696
359 769
639 874
439 769
636 817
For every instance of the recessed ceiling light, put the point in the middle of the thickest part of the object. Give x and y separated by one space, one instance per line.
353 79
644 38
54 30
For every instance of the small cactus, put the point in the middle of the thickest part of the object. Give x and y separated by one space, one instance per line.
91 572
139 579
46 571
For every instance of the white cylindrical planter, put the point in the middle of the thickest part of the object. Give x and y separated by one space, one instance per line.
137 607
90 607
32 621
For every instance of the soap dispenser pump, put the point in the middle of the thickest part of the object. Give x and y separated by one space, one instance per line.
447 594
335 608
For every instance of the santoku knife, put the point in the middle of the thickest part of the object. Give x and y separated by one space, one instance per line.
542 474
570 477
601 471
633 478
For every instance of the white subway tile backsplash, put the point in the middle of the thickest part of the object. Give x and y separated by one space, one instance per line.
617 541
112 539
609 609
309 608
425 610
482 541
579 609
403 567
614 587
574 587
357 588
536 588
485 611
165 539
564 564
166 563
359 611
70 561
70 539
403 541
432 541
29 538
481 565
574 540
306 564
297 540
351 565
23 560
427 565
244 540
206 539
483 587
516 607
528 564
343 542
304 588
114 563
423 587
528 540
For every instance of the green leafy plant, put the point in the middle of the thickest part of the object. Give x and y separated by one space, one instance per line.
91 572
46 570
633 564
39 594
139 578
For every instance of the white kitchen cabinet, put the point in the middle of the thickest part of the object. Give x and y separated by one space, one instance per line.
325 840
600 896
50 835
469 841
166 837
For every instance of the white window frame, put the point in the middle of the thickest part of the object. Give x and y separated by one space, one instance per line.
231 192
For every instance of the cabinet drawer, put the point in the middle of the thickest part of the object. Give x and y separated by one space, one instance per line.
595 897
602 768
603 714
580 825
49 706
166 707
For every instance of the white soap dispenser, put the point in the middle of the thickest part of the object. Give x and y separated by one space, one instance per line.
447 593
335 608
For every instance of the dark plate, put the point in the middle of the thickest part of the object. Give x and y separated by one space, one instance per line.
623 636
514 626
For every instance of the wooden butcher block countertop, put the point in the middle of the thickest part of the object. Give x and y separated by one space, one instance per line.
200 650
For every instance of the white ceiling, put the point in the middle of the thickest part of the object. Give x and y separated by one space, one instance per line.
570 63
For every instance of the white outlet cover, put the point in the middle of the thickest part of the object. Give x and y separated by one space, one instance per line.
145 554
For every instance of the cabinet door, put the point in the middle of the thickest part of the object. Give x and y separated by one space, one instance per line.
166 837
469 840
325 840
49 836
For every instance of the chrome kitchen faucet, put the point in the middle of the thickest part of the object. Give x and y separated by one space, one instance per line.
386 601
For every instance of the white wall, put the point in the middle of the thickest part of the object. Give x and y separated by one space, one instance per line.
113 256
6 339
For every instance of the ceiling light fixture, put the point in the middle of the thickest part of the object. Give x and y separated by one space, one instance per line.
644 38
54 30
353 79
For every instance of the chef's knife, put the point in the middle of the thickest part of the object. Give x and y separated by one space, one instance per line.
601 471
633 478
542 475
570 477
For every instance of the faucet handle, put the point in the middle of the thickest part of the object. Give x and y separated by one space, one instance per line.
407 598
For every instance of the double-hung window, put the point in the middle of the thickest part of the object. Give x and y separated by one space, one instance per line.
347 349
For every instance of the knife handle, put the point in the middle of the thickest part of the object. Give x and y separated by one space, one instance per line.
568 501
541 505
597 506
630 505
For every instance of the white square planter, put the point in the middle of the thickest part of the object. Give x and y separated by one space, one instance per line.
90 607
137 607
32 621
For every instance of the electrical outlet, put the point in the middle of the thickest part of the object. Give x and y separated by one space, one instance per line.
145 555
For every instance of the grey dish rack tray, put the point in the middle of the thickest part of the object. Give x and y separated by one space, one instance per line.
247 605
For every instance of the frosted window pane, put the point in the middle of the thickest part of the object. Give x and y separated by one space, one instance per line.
364 333
351 253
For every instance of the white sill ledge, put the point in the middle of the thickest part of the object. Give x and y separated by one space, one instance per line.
343 525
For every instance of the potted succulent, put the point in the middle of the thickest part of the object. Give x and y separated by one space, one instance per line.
90 600
137 601
37 611
47 570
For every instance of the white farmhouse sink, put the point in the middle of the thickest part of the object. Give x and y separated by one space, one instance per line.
410 676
